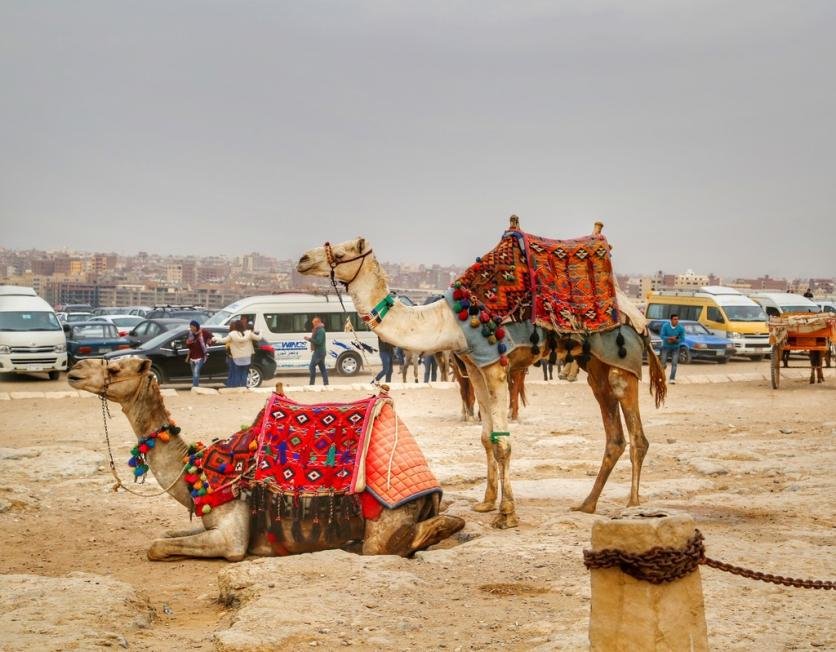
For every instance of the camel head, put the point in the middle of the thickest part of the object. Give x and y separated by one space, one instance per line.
117 379
345 258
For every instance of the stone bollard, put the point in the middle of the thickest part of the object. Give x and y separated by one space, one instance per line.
628 614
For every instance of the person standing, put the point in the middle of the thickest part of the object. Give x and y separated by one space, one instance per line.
809 293
672 334
430 367
318 350
197 342
241 349
387 353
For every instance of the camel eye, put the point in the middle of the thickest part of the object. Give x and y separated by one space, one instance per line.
339 255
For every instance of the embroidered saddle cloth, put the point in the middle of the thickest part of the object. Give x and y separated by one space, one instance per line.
560 285
327 449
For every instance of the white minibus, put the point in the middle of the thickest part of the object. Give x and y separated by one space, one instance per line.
31 337
285 319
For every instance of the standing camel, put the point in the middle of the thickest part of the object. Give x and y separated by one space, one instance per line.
614 379
226 530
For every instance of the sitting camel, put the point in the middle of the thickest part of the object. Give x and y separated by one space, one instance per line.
614 378
227 529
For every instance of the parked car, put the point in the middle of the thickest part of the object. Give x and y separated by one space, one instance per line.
92 339
72 317
109 310
150 328
142 311
827 306
699 344
124 323
188 313
167 353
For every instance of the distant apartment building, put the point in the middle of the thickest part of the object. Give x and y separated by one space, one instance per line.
690 281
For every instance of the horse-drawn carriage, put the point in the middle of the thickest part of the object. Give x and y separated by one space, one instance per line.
813 333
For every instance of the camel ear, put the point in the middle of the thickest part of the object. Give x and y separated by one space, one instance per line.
361 245
145 366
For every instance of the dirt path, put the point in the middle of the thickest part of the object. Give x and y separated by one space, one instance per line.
754 467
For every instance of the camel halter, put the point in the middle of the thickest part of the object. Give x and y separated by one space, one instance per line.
105 416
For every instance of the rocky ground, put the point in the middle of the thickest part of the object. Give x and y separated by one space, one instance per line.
752 465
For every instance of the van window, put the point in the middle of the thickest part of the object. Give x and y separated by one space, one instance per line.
745 313
29 320
658 311
772 312
714 314
285 322
665 310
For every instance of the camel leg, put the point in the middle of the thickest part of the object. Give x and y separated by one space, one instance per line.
174 534
496 382
477 383
598 380
401 531
227 535
625 386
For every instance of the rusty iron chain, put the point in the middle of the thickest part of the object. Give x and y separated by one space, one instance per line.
657 565
662 565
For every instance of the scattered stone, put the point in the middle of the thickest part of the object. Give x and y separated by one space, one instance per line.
26 395
207 391
707 467
4 396
786 431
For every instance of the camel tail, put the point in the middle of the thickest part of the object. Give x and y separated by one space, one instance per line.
658 386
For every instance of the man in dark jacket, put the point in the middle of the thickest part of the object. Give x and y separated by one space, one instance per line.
318 350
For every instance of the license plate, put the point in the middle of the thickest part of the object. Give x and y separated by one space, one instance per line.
34 367
105 349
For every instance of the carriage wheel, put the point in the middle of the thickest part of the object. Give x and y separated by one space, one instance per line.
775 366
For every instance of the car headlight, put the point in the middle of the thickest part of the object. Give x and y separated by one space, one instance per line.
4 349
60 348
729 345
735 335
700 345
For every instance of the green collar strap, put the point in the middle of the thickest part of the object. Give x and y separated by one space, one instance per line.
379 311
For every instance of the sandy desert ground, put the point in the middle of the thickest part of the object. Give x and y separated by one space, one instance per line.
752 465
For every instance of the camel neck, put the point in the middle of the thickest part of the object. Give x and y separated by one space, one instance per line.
147 413
416 328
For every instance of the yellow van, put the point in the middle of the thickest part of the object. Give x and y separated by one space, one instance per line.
724 311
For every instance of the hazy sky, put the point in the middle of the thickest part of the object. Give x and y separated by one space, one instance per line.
703 134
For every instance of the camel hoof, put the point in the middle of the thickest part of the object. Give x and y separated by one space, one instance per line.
633 503
505 521
484 506
584 507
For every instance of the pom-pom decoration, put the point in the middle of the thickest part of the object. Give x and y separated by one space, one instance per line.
474 322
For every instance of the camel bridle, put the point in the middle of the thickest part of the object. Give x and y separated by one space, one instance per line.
143 387
333 263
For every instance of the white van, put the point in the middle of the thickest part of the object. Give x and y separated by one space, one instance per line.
778 303
31 338
285 319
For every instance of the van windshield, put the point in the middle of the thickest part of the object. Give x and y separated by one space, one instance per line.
745 313
29 320
218 319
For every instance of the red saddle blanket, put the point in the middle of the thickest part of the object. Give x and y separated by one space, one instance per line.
320 450
560 285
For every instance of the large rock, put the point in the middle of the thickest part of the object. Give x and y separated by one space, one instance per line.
78 612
